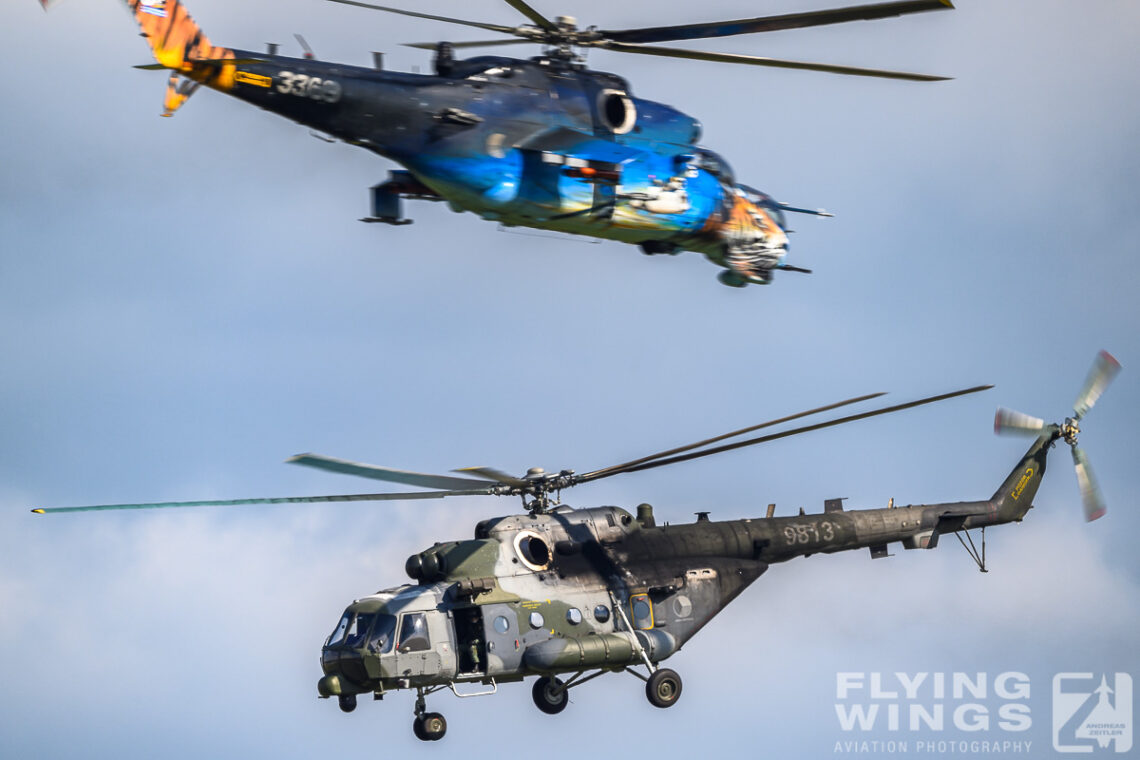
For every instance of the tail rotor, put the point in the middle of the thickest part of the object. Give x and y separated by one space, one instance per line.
1008 422
1103 370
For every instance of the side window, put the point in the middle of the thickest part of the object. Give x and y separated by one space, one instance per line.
642 610
414 633
380 642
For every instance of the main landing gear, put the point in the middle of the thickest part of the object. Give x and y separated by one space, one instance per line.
663 688
427 726
551 695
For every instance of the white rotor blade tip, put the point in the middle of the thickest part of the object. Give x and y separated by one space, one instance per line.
1009 421
1103 370
1090 492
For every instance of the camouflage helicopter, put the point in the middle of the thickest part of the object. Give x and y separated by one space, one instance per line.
543 142
579 593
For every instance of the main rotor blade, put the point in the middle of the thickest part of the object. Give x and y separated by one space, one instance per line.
490 473
624 466
532 14
386 9
1090 492
805 429
277 500
1009 422
468 44
421 479
752 60
1103 370
776 23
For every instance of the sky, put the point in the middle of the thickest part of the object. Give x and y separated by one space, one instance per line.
187 302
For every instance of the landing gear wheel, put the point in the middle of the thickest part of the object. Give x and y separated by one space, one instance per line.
347 702
663 688
430 727
549 696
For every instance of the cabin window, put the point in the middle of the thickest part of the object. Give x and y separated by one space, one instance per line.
536 620
502 625
601 613
414 633
573 616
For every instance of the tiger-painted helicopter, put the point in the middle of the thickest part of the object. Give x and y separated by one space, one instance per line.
559 591
543 142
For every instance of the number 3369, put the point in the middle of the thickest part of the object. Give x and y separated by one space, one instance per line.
305 86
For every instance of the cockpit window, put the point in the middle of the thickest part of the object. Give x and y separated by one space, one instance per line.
414 633
357 630
338 634
383 634
766 202
715 165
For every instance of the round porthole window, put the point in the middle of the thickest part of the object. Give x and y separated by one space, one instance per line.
601 613
574 616
502 625
536 620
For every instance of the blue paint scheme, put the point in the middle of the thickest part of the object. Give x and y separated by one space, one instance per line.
539 144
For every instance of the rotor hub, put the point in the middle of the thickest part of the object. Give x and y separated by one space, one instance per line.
1070 430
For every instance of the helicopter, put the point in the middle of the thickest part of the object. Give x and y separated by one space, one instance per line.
544 142
569 594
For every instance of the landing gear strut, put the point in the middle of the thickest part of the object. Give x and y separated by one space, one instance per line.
427 726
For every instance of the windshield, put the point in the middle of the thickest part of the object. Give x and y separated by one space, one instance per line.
357 630
766 201
352 631
338 633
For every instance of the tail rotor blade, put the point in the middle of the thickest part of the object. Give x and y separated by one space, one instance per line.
1090 492
305 46
1009 422
1104 369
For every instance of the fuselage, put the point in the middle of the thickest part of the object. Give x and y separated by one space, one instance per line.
581 589
534 143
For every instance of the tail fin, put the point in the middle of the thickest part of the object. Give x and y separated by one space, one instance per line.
1015 496
180 45
173 36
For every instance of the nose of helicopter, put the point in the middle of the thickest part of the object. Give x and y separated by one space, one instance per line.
343 668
